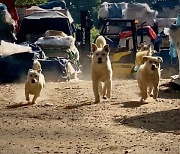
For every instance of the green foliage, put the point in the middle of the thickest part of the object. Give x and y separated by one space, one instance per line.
94 34
78 26
76 6
29 2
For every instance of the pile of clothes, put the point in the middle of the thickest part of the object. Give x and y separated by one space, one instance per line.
138 11
7 25
112 10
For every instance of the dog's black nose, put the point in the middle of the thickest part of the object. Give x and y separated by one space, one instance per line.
153 67
33 81
99 60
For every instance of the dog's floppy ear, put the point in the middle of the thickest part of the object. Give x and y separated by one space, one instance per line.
149 45
39 70
160 59
142 44
106 48
30 70
93 47
145 58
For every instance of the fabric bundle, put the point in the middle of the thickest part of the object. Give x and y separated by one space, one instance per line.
112 10
7 48
140 12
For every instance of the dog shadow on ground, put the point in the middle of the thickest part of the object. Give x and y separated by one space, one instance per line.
130 104
133 104
17 105
163 121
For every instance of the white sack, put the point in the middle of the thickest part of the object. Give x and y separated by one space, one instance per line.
56 41
7 48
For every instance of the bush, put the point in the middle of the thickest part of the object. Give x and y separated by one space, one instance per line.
94 34
29 2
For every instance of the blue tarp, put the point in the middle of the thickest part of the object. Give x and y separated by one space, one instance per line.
168 61
174 26
165 3
53 3
115 10
173 52
14 68
3 7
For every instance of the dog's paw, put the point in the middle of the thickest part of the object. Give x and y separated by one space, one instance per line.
31 103
155 97
142 100
157 100
96 101
151 95
104 97
27 99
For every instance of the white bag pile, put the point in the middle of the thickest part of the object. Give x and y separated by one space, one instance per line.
66 41
103 11
167 12
7 48
165 23
108 10
140 12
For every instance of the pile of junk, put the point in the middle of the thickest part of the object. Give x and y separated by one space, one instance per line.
46 33
157 24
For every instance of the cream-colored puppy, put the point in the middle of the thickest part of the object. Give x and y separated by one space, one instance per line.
100 41
35 82
148 76
36 65
101 69
145 50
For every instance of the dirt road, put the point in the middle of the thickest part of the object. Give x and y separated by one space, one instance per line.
65 120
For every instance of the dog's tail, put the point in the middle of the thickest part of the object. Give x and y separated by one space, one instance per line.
36 65
100 41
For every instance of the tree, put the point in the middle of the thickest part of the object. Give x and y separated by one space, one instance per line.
76 6
29 2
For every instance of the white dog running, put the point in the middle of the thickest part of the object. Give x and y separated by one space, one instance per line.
148 76
35 82
101 69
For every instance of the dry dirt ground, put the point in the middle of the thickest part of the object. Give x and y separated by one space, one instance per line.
65 120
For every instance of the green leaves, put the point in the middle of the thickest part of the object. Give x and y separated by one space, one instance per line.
76 6
29 2
94 34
